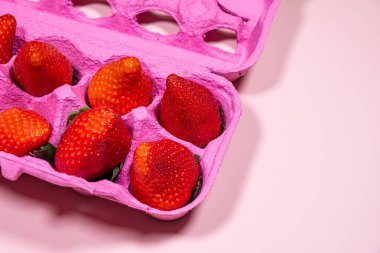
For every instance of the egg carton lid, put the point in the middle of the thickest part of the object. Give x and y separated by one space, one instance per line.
250 19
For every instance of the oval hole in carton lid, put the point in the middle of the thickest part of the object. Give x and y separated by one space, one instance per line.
93 8
243 8
222 38
158 22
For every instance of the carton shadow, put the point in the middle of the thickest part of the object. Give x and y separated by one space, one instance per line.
222 200
103 214
220 204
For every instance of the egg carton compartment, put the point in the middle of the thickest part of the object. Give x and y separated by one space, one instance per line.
54 107
90 44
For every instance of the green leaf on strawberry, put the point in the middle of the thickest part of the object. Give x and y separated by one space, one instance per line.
46 152
73 114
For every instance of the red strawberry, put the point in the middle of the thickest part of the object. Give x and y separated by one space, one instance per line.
22 131
39 68
7 35
189 111
94 143
122 85
164 174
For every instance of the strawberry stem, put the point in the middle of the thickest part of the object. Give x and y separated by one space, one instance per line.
198 158
75 77
223 126
199 183
73 114
46 152
114 173
197 189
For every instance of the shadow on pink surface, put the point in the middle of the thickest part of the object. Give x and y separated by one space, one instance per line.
66 200
268 70
222 200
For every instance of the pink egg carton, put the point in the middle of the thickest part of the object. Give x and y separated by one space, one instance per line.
91 43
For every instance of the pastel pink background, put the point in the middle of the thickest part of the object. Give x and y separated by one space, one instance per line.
302 173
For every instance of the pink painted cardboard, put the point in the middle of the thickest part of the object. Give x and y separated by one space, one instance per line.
91 43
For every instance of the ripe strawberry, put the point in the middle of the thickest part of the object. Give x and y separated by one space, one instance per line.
94 143
22 131
164 174
7 35
39 68
189 111
122 85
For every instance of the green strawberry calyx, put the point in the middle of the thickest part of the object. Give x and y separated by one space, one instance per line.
223 125
45 152
198 186
73 114
114 173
